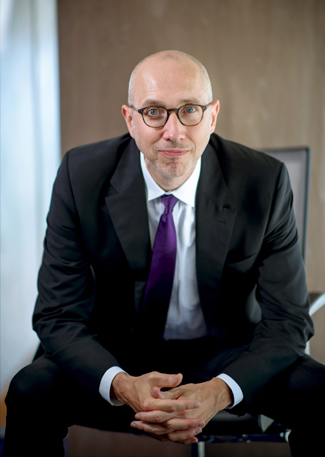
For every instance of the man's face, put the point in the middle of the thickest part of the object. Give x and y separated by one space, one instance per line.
172 151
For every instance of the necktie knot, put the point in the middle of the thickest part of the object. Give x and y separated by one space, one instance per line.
169 202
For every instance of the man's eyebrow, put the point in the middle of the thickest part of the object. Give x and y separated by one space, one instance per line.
185 101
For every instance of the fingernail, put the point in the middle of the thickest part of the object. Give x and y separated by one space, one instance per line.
133 424
196 405
137 416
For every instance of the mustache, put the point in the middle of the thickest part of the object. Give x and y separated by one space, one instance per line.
172 145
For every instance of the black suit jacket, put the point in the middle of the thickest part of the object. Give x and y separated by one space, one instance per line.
97 256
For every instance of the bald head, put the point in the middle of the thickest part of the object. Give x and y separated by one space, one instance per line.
161 60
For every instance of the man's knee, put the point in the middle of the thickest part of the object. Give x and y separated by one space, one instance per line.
34 383
313 374
35 411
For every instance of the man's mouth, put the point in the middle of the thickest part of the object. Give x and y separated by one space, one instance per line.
173 152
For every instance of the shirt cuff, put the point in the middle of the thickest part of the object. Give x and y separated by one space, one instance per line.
105 385
234 387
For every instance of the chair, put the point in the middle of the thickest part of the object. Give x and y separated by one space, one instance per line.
224 427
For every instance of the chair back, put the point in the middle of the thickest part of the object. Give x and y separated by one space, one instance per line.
297 161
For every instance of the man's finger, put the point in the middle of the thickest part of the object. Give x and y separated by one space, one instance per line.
154 429
185 436
169 421
171 406
156 392
165 380
168 394
154 417
180 430
159 417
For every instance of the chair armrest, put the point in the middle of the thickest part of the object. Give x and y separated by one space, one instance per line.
317 300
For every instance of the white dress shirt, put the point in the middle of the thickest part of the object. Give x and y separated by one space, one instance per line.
185 318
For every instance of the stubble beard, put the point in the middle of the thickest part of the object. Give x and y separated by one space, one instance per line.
173 169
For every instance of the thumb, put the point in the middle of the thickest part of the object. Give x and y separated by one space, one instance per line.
159 394
168 380
156 393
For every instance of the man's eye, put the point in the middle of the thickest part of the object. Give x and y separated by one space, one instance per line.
152 112
189 109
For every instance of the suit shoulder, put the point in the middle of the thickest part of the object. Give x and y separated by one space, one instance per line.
230 151
95 160
89 167
245 168
107 150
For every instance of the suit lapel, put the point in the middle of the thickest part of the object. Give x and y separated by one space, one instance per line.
215 219
126 197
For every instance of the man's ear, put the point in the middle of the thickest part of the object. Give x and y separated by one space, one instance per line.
127 114
215 106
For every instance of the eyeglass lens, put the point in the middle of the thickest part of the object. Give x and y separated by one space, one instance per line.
155 116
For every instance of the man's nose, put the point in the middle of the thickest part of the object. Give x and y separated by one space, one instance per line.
173 129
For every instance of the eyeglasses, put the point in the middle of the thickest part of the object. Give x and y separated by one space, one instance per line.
157 116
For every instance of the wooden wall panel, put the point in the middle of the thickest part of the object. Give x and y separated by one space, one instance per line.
266 60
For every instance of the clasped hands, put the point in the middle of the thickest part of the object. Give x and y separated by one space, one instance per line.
178 414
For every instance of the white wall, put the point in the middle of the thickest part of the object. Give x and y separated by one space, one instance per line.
30 155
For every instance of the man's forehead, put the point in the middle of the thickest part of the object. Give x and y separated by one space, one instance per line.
149 101
171 72
154 82
167 66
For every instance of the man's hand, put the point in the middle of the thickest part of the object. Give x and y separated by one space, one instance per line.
213 396
143 394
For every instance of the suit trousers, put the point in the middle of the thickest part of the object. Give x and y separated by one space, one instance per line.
44 400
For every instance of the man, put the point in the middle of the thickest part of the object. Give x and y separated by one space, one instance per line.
175 346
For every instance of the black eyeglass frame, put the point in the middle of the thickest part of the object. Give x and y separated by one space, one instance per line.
169 110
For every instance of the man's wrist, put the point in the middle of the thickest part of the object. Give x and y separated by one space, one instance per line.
120 385
223 394
235 389
105 385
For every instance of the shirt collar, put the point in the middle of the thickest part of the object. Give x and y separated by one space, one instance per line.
186 192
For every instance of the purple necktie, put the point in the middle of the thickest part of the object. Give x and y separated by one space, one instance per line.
161 274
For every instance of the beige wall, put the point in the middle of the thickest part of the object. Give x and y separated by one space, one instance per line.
266 59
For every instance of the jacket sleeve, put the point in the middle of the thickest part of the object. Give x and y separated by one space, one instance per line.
281 335
63 309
